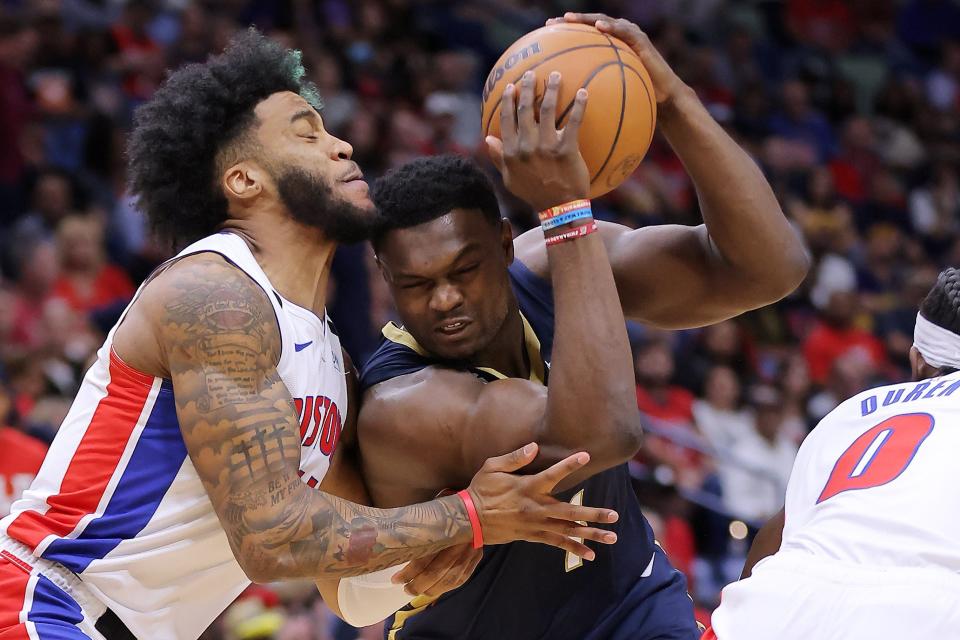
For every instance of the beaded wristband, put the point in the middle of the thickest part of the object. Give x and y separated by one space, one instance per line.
561 209
566 218
474 518
579 232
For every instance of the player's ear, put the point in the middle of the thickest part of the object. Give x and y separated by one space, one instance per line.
381 267
506 239
243 181
920 368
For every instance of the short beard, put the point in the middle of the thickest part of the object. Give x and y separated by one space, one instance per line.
310 201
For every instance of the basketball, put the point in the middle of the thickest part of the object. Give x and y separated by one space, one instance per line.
621 110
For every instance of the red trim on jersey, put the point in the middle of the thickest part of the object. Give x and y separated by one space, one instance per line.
709 634
94 461
17 562
13 592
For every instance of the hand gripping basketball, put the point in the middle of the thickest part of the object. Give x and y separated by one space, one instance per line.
666 83
515 507
540 164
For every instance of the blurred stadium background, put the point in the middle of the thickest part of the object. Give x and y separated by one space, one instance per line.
851 107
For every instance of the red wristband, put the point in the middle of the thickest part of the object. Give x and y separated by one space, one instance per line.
578 232
474 518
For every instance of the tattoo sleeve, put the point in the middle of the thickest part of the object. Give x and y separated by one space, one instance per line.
221 342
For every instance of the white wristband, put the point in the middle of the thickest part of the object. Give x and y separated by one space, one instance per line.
367 599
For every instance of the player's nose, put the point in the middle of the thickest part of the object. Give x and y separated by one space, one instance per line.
341 149
445 298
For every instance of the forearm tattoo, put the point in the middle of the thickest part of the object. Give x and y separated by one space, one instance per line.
240 428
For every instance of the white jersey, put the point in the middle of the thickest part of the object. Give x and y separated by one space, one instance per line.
870 543
876 482
118 501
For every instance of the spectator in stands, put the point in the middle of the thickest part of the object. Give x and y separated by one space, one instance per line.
38 270
799 122
138 57
835 334
825 219
770 451
667 413
52 199
935 207
793 383
719 415
87 281
719 344
895 326
20 455
849 374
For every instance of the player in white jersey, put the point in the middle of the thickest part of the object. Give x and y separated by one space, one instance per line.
867 546
190 461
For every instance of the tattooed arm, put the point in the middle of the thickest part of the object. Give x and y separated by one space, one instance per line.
217 339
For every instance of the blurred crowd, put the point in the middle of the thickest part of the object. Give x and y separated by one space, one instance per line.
851 107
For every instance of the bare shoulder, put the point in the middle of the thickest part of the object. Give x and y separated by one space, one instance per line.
443 403
433 398
197 297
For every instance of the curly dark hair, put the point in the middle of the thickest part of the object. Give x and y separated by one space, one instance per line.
428 188
199 121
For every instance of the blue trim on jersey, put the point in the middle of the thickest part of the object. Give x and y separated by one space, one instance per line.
54 612
156 460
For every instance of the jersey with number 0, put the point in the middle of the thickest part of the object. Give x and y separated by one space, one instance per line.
876 483
118 501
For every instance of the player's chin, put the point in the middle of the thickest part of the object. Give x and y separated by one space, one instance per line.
452 347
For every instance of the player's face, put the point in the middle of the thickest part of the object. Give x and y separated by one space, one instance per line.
449 281
314 175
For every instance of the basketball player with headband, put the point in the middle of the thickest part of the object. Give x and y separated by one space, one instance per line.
866 545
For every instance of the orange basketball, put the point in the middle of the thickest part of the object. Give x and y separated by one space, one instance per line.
621 110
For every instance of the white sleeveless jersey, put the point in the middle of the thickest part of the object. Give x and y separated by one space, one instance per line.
118 501
876 483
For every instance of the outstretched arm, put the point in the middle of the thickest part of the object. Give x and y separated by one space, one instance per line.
746 255
220 343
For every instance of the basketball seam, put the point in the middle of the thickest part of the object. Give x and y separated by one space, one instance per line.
643 82
593 74
486 128
623 106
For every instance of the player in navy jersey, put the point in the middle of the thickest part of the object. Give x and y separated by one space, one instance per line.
199 451
503 341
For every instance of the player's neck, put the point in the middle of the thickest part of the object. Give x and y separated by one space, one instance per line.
295 257
507 353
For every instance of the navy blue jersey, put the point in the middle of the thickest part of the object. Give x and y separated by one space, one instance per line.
523 590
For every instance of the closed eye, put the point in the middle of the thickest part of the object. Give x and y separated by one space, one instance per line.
467 269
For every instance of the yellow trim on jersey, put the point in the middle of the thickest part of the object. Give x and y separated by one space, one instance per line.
417 605
398 334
